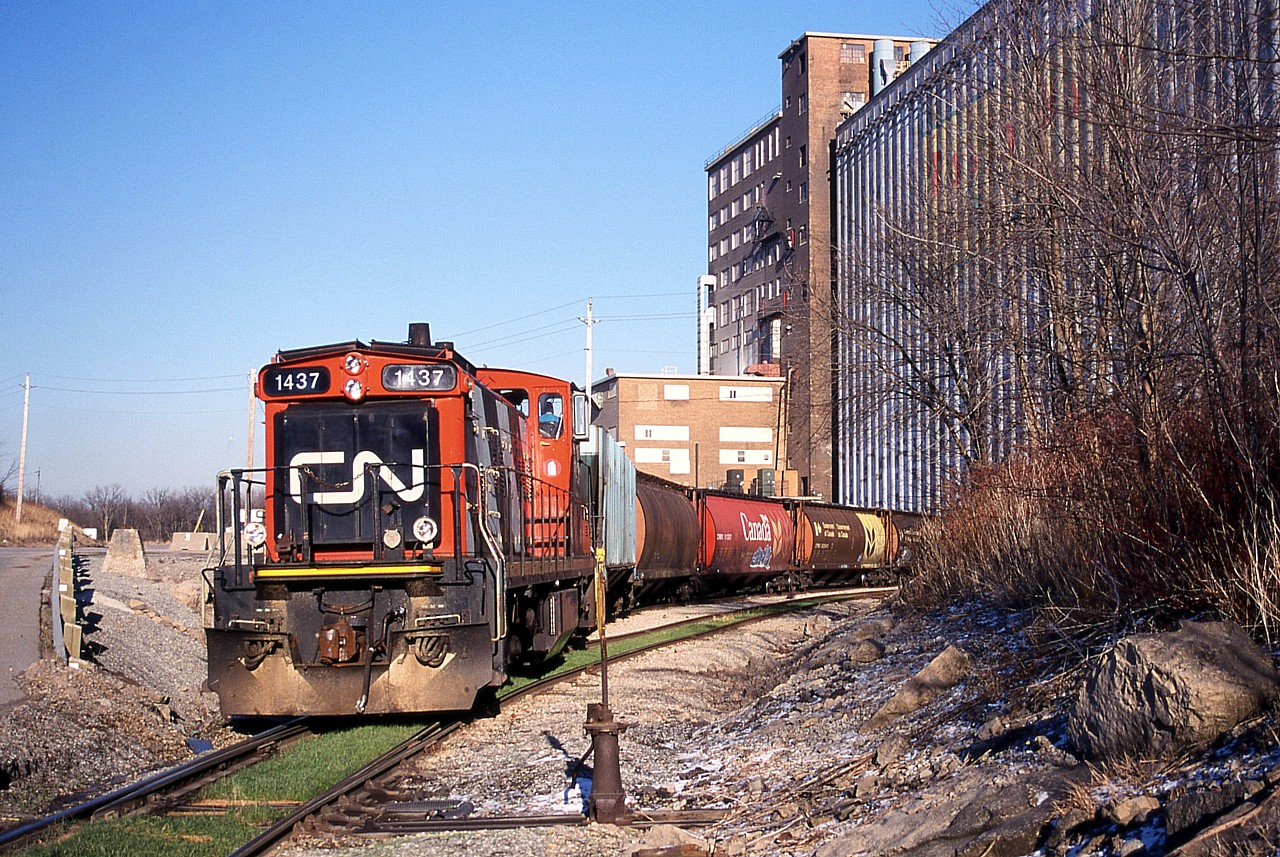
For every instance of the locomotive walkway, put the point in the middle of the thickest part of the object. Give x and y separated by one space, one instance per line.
22 575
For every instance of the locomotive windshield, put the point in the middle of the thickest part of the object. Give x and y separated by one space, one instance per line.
343 475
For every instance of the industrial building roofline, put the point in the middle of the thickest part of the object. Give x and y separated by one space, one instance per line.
795 43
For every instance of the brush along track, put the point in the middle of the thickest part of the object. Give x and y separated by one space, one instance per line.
369 804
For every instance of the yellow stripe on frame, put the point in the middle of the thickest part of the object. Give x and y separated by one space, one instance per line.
349 571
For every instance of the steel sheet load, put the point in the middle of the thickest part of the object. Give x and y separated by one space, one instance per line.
667 532
745 536
836 537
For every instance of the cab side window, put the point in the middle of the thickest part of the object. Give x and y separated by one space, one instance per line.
519 398
550 415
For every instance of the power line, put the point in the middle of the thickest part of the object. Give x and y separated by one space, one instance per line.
139 380
137 392
514 320
134 412
506 342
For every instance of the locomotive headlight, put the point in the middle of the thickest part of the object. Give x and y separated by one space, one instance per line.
255 533
425 530
354 390
353 364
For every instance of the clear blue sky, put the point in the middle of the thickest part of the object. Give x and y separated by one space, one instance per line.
186 188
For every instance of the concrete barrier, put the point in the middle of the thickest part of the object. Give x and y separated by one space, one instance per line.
125 554
202 542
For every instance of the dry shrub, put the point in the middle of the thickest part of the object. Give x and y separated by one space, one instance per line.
39 524
1106 522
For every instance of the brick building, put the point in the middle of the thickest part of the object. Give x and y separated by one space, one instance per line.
768 293
695 429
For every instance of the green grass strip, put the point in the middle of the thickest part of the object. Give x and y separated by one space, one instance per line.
304 769
153 836
577 658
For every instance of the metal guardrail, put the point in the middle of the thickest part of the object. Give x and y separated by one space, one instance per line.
63 605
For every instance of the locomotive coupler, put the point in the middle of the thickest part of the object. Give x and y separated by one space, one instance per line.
608 801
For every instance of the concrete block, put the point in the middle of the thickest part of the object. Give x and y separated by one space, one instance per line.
202 542
68 610
125 554
71 635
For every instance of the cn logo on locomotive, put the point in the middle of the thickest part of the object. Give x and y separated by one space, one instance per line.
355 493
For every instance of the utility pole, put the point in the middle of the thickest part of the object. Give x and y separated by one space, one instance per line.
590 323
253 405
22 454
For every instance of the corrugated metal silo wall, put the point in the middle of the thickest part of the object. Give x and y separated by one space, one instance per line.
617 493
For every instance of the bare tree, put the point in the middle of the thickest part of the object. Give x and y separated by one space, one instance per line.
108 506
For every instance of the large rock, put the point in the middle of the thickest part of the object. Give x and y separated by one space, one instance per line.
942 673
969 816
1155 694
125 554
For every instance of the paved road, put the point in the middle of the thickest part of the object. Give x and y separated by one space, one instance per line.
22 574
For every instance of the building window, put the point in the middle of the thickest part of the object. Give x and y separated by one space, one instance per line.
853 53
802 64
724 246
786 103
711 221
804 191
788 185
804 150
899 53
851 102
746 163
742 456
788 137
804 233
713 186
711 253
746 200
746 233
724 178
733 241
735 170
733 208
803 103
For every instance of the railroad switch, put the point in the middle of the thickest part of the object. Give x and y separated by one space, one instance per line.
608 801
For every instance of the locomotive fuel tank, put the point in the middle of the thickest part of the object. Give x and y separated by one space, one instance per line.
745 537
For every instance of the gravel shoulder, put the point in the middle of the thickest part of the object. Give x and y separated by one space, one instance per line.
132 706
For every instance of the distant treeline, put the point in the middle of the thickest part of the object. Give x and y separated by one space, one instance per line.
157 514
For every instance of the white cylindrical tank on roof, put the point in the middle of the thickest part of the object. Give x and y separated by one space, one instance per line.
884 68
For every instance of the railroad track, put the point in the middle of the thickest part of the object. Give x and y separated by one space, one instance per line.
169 787
368 802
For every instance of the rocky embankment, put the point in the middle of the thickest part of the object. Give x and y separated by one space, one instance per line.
852 729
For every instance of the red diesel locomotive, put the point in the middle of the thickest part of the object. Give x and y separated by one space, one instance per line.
421 524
